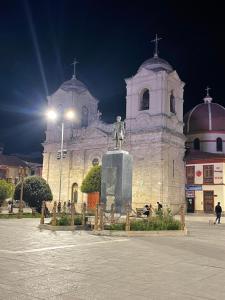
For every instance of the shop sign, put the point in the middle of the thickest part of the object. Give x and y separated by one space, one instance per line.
193 187
190 194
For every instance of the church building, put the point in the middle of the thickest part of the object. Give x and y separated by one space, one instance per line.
154 136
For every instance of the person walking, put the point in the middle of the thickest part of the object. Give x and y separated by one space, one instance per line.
218 211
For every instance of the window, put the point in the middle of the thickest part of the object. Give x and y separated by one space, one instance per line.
190 173
144 103
172 103
197 144
208 174
84 116
219 144
95 162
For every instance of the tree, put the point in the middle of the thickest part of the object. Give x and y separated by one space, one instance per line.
6 190
35 191
92 181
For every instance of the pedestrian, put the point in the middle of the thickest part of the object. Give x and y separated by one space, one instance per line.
46 212
218 211
159 206
64 207
59 207
68 206
9 207
11 210
146 210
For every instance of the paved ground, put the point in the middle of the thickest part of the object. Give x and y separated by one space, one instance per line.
65 265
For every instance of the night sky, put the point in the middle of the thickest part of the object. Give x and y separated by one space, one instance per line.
110 39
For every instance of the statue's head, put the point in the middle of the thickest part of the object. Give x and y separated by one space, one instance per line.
118 118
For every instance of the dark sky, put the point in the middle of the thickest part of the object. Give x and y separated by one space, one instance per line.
110 39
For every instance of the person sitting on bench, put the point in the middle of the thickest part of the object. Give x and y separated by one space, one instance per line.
146 210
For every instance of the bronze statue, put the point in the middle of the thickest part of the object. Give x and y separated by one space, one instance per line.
119 132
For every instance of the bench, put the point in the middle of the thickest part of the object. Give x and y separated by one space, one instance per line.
139 212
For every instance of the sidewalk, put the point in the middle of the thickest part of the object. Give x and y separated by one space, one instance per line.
205 218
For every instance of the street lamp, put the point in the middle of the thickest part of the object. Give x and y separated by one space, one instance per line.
62 116
22 173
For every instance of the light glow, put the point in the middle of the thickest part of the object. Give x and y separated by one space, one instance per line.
70 115
51 115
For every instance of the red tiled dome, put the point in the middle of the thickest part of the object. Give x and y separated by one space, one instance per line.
205 117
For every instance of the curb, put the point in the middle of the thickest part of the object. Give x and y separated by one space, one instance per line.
162 233
58 228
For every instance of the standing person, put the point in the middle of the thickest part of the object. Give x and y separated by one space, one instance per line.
68 206
150 209
218 211
159 206
9 207
59 207
11 211
46 212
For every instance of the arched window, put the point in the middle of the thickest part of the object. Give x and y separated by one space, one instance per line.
197 144
172 103
74 192
219 144
84 120
144 103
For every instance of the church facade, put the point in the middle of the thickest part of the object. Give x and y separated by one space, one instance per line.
154 137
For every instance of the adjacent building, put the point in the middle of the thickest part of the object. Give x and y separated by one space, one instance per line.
11 165
205 157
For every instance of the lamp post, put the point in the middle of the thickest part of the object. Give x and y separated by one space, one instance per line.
61 115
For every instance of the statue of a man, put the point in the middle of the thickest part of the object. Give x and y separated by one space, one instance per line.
118 132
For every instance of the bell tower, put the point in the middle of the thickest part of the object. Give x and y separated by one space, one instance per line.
154 124
155 92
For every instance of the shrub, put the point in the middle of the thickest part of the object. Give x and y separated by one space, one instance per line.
6 190
92 181
119 226
156 223
35 190
78 220
66 220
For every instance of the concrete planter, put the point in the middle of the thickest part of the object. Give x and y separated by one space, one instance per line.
141 233
60 228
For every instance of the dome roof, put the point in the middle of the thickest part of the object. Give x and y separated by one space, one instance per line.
205 117
73 85
156 64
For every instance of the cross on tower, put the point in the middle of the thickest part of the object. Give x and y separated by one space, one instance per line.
207 91
156 40
74 67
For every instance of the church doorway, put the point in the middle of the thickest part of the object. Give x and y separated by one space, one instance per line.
208 200
190 205
74 192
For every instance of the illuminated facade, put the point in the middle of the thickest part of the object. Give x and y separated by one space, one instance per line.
154 136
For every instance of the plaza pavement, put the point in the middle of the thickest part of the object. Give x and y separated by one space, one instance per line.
66 265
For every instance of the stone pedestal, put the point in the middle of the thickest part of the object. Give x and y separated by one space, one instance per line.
116 182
